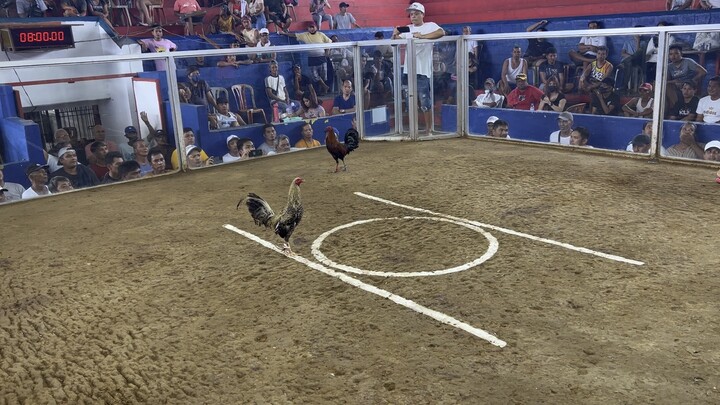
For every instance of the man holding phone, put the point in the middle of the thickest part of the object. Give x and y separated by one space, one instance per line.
419 29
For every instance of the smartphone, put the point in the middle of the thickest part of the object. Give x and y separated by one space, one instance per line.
255 153
403 28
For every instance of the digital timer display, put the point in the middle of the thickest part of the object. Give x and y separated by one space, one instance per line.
27 38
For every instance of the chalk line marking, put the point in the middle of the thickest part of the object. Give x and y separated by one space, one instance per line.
505 230
492 248
438 316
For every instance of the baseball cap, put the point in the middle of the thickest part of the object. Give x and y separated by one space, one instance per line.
712 144
490 80
34 167
343 4
131 129
63 151
521 76
416 7
3 189
264 31
190 148
491 119
230 138
646 86
565 116
641 140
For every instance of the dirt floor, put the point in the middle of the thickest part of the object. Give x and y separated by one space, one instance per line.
136 293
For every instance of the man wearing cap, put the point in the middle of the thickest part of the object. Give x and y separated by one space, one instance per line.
13 191
224 118
490 122
188 139
712 151
604 99
524 96
344 20
264 43
126 148
708 109
99 135
317 58
38 181
640 106
489 99
194 157
80 176
419 29
565 123
233 149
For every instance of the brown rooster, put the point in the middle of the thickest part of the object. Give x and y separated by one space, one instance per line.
340 150
283 224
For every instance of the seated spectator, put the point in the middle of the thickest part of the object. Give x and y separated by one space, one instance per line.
231 61
688 147
588 46
686 107
200 93
563 135
537 48
157 162
194 158
345 102
595 71
38 181
307 140
99 135
708 109
633 55
377 79
501 129
387 50
605 101
256 11
511 68
188 139
266 56
113 160
640 144
52 159
190 12
74 8
344 20
550 68
489 99
157 44
681 70
524 96
640 106
712 151
309 107
282 144
317 60
224 118
80 176
580 137
225 22
709 4
275 88
233 147
129 170
144 12
99 9
140 155
250 35
301 83
13 191
276 12
98 150
553 99
246 148
269 134
342 60
677 5
317 10
60 184
490 122
126 148
29 8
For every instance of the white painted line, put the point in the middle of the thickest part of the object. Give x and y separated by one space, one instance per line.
508 231
319 256
438 316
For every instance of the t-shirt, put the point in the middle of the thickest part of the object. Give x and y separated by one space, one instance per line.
277 85
612 101
682 109
685 70
316 38
710 109
552 70
267 149
175 161
30 193
523 99
186 6
537 48
423 53
14 191
594 41
84 177
344 22
302 143
343 104
556 138
230 158
163 45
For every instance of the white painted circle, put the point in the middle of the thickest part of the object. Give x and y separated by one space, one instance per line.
492 248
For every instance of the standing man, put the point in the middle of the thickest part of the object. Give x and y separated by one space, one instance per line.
345 20
157 44
419 29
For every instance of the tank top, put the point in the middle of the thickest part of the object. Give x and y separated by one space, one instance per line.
640 108
511 73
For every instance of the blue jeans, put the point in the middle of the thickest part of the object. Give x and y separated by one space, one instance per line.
260 21
423 89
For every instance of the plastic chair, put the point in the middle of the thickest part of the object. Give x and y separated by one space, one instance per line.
124 10
291 12
245 98
217 92
578 108
158 13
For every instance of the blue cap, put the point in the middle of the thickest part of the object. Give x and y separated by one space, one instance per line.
130 130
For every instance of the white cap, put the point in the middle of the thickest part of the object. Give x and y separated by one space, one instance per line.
65 150
190 148
264 31
230 138
491 119
417 7
712 144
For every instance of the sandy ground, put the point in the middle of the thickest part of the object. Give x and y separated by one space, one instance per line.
136 293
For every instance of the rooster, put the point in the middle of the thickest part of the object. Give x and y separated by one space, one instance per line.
283 224
340 150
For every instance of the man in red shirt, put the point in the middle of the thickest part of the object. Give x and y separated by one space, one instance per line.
524 96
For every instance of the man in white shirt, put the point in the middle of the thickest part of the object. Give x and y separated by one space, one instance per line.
587 47
13 191
419 29
344 20
565 123
275 88
489 99
708 109
38 176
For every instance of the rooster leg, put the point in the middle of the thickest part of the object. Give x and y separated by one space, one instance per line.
286 249
337 167
344 166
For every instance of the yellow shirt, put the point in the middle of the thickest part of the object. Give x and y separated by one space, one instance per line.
305 144
175 161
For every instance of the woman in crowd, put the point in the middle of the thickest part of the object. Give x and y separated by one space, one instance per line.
553 99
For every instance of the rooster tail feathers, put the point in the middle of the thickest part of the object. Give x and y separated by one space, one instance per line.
352 139
260 210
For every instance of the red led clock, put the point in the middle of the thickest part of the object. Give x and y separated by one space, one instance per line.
27 38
